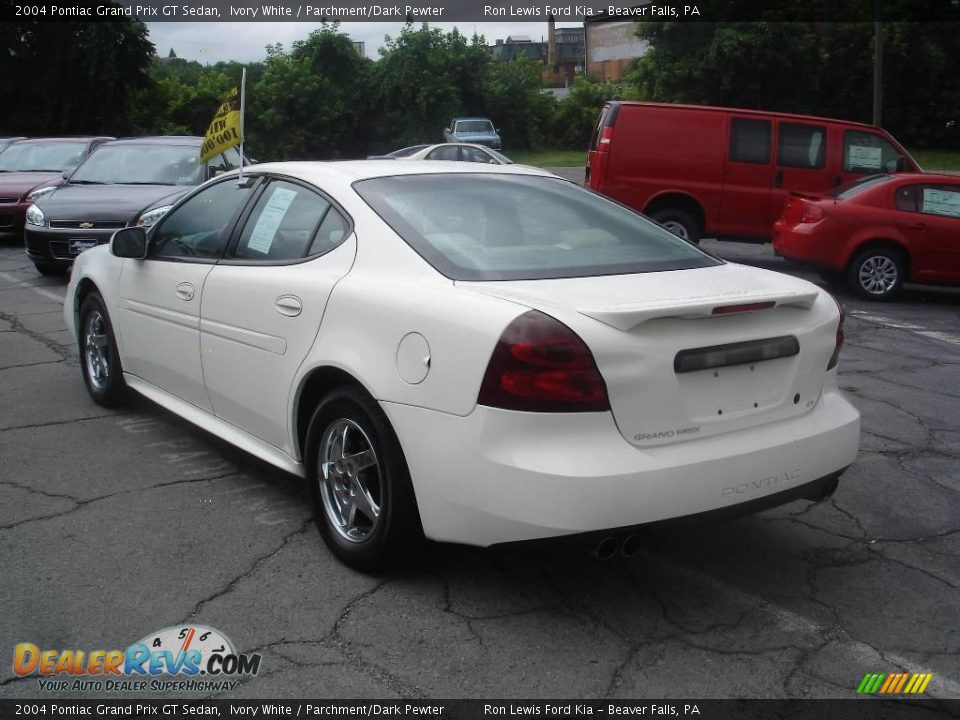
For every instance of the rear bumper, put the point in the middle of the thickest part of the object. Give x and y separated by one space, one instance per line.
807 244
498 476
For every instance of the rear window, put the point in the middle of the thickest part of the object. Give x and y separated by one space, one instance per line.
519 227
855 187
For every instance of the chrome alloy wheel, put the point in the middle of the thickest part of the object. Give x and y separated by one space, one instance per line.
349 480
97 350
878 274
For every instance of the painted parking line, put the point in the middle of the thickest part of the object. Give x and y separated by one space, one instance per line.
909 327
39 290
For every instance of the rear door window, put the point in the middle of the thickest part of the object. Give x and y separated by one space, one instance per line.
801 146
750 141
447 152
283 223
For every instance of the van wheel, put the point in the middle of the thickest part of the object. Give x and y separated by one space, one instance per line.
876 273
680 223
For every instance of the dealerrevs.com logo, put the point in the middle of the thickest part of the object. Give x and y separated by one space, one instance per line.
178 659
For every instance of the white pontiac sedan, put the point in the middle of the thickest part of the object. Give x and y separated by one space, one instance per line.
475 354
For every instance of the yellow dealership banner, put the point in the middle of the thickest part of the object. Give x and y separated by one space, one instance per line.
226 128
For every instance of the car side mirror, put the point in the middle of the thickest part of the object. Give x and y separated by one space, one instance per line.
66 174
130 242
497 131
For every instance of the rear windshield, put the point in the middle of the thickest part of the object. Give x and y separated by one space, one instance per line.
855 187
515 227
474 126
142 165
42 157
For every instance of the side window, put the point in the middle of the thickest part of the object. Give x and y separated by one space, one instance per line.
332 231
447 152
283 224
197 229
801 146
750 141
943 200
867 152
472 154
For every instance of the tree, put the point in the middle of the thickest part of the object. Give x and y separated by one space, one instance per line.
769 65
312 102
515 101
423 79
72 77
576 115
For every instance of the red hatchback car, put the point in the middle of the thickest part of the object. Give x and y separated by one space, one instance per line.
877 232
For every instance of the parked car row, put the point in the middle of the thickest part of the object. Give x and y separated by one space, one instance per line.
844 196
65 195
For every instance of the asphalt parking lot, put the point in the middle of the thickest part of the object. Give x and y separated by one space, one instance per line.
114 524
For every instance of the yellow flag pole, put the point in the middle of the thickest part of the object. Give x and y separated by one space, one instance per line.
243 100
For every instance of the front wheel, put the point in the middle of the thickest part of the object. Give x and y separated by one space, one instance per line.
99 360
680 223
876 273
360 488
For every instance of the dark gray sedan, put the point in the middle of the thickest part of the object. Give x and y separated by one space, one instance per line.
123 183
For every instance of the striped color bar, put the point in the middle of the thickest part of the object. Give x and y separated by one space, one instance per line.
894 683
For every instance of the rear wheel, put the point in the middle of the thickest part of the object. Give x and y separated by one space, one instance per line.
876 273
99 360
681 223
360 488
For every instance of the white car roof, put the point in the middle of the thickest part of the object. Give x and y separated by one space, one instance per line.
349 171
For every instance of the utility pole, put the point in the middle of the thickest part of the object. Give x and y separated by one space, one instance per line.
877 62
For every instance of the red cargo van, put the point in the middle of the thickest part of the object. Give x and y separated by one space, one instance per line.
719 172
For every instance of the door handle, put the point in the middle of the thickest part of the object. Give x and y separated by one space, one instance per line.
185 291
289 305
778 179
919 226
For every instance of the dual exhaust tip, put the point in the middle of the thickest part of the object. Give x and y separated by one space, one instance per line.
611 547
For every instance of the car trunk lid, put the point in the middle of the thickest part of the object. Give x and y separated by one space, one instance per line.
692 353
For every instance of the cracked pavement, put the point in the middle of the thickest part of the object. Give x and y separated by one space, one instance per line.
114 524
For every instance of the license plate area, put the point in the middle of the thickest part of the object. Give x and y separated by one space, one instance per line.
722 393
78 245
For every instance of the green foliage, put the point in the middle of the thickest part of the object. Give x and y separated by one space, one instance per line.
576 115
818 68
311 102
71 77
424 78
516 103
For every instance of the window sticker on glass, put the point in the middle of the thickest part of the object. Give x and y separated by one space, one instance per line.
266 228
941 202
869 158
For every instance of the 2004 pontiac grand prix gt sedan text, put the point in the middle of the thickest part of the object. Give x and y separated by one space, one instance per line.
472 354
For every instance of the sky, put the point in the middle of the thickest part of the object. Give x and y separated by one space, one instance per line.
245 41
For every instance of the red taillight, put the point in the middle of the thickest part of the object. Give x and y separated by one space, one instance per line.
541 365
836 350
811 213
606 138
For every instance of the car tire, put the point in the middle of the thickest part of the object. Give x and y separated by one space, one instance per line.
99 359
47 269
876 273
681 223
365 509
